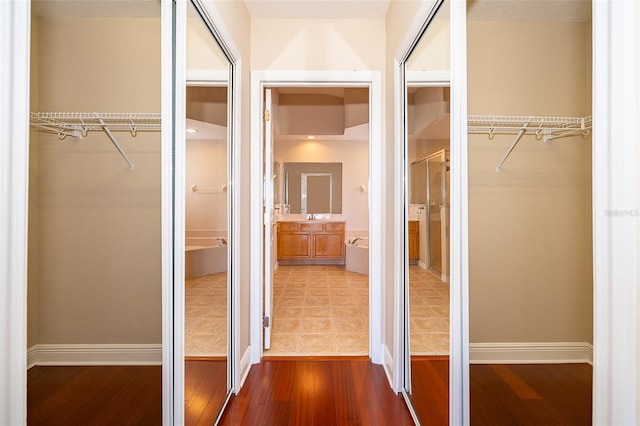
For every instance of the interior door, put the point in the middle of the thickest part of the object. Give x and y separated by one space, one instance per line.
268 223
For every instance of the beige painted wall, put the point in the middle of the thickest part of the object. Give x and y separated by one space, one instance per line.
317 44
207 168
98 236
354 156
530 225
203 52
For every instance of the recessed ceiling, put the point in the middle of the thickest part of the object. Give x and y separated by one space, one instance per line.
321 9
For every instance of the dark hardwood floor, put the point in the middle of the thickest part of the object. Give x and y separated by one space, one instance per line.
205 384
310 392
528 394
97 395
316 392
430 389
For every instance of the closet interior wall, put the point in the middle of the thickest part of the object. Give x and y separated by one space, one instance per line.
94 228
530 224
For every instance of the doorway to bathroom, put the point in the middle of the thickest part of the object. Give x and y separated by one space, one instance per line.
316 251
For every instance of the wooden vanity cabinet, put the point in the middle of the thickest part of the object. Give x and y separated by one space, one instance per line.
414 242
311 242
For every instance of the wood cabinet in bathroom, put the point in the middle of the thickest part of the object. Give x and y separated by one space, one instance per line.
311 242
414 242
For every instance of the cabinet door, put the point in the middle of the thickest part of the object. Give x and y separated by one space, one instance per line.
293 245
328 245
414 242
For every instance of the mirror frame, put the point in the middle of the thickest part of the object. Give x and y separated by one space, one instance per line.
174 83
459 411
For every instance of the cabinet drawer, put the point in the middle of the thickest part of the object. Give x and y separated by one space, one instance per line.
311 227
288 226
334 226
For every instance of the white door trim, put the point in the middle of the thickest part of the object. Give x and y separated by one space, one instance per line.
15 35
616 64
371 79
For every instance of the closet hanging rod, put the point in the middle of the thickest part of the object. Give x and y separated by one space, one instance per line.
78 124
545 128
513 124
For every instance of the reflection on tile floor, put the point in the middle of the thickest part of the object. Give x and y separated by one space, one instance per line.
428 313
206 315
319 310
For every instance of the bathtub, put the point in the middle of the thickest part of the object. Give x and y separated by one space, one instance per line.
204 256
357 255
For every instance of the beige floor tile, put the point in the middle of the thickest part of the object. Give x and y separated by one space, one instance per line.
345 312
316 325
205 325
317 343
317 291
349 325
316 312
283 343
290 301
316 300
288 312
344 300
286 325
354 344
296 292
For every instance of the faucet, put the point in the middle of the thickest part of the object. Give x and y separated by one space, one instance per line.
354 242
222 242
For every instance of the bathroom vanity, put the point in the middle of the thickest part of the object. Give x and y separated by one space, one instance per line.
311 242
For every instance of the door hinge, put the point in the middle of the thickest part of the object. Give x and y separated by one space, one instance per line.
267 115
265 322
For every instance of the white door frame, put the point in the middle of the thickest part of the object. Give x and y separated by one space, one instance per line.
616 107
15 35
372 80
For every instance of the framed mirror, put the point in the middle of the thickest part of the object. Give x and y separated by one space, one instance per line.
312 188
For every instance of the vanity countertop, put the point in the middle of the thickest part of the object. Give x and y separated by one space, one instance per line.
303 218
312 220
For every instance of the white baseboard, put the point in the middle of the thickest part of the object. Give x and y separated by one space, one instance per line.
531 353
387 364
245 366
91 354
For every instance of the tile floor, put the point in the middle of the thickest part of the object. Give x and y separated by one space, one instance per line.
318 310
428 313
206 315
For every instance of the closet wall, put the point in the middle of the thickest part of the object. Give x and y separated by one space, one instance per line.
96 233
530 225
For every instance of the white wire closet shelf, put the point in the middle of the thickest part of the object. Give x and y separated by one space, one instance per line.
544 128
78 124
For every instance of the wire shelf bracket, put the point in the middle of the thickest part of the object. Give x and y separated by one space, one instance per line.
544 128
78 124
